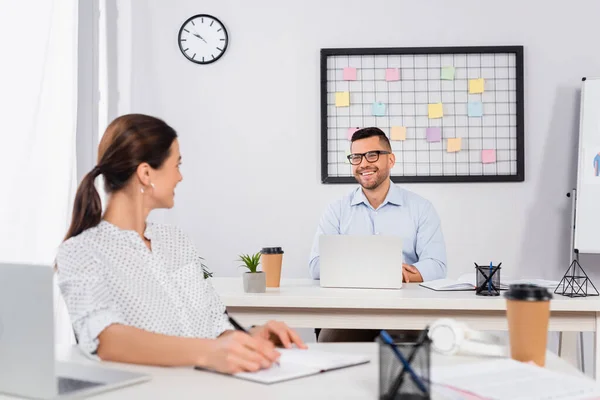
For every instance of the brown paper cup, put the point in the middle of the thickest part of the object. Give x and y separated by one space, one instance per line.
528 313
271 261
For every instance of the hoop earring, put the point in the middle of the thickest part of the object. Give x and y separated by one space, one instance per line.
142 190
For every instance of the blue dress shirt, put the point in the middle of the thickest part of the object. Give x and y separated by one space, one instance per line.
403 214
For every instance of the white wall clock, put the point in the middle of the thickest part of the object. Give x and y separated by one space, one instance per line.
203 39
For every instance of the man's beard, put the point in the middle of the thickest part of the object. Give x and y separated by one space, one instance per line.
376 183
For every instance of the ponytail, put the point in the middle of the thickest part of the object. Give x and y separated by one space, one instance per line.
87 210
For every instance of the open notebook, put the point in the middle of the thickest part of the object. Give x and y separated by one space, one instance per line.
467 282
296 363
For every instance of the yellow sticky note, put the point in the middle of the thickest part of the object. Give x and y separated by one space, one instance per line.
454 145
436 110
476 85
398 133
342 99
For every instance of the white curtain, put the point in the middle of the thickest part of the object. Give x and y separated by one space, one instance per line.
38 103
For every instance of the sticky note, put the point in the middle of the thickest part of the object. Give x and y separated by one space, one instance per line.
342 99
349 74
436 110
351 132
475 109
454 145
378 109
476 85
448 73
488 156
434 134
398 133
392 74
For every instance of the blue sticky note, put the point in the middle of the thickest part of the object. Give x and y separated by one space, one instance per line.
378 109
475 109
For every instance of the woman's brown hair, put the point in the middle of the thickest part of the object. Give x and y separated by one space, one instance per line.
127 142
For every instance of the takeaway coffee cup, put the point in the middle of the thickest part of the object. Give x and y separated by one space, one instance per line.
528 313
271 258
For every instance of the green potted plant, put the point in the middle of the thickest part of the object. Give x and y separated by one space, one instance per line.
254 280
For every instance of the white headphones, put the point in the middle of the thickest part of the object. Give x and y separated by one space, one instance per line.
452 337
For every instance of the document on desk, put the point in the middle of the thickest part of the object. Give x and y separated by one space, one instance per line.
501 379
296 363
467 282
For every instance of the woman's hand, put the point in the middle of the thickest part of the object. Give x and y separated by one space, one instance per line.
278 333
236 351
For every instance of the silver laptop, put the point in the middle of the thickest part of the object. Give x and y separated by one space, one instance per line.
27 359
373 262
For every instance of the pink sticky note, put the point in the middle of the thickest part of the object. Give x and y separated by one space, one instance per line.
434 134
488 156
392 74
349 74
351 132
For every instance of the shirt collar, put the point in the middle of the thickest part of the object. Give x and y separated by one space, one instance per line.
394 196
129 233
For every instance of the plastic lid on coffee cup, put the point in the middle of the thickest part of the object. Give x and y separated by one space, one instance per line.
527 292
271 250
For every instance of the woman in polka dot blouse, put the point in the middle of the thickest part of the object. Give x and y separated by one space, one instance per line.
135 290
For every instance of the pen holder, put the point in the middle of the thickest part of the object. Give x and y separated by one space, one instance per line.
395 382
487 280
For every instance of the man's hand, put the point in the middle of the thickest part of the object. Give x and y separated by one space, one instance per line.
410 274
278 333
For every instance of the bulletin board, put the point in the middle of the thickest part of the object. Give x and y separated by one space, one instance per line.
452 114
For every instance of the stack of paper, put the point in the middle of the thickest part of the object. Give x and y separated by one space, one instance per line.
509 379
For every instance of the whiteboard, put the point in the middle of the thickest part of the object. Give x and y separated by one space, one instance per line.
587 215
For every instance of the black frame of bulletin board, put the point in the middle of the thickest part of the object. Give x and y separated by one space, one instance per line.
518 176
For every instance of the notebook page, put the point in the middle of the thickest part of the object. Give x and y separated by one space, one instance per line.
296 363
283 372
321 360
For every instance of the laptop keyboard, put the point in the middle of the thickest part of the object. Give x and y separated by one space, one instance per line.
68 385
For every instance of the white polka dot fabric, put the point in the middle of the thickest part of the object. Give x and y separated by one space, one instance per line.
109 276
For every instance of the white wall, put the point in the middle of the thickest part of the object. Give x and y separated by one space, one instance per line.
249 124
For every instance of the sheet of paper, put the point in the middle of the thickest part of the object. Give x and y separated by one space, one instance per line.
392 74
454 145
476 85
488 156
475 109
434 134
349 74
447 73
398 133
501 379
436 110
342 99
378 109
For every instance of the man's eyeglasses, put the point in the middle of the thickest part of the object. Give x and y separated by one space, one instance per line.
371 156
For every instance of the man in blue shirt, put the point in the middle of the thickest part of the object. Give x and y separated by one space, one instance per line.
379 207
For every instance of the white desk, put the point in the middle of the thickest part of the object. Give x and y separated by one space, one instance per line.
360 382
301 303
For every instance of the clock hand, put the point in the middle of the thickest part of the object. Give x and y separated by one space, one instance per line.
198 36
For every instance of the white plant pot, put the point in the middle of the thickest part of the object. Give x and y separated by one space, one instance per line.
255 282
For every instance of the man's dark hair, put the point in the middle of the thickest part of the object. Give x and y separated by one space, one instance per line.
365 133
